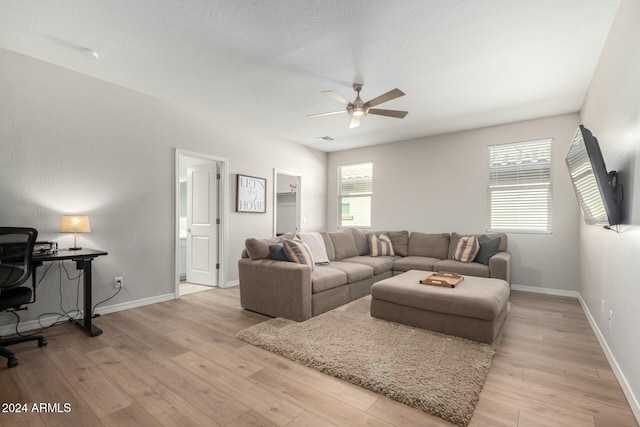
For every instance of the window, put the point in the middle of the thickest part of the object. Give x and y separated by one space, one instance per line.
354 195
519 189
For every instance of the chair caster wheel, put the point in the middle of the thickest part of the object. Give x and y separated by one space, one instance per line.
42 342
12 362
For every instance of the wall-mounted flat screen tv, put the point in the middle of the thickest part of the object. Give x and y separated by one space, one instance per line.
598 192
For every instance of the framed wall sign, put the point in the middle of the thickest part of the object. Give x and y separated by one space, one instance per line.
251 194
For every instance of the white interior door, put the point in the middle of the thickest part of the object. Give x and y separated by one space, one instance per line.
202 209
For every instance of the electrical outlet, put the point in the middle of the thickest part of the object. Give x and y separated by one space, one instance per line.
602 307
611 318
118 282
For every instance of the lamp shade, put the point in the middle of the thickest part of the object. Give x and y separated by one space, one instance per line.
75 224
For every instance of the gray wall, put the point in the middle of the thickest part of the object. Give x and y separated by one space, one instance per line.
438 184
610 262
74 144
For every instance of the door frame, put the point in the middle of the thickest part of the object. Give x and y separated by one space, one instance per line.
299 219
222 213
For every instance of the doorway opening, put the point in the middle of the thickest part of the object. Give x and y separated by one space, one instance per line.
287 210
201 194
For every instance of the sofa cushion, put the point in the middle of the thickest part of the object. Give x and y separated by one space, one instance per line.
488 248
455 237
429 245
344 244
259 248
379 245
468 268
466 249
503 240
276 252
400 242
415 263
360 237
297 251
354 271
328 245
316 244
324 278
380 264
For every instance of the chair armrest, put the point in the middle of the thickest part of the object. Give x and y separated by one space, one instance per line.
276 288
500 266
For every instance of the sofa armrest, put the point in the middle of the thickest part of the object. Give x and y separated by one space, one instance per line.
276 288
500 266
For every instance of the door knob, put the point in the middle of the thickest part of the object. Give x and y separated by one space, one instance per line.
188 230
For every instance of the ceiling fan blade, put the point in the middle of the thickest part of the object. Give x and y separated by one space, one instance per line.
392 94
333 95
355 122
327 114
389 113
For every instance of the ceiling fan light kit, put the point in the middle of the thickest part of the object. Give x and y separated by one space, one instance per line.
359 109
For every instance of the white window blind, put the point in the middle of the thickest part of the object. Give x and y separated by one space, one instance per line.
519 188
354 199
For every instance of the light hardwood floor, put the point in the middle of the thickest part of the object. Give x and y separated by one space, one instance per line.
178 363
187 288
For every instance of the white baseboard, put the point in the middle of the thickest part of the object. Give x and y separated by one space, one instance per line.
133 304
626 388
546 291
32 325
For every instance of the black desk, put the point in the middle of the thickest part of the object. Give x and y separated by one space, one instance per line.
83 258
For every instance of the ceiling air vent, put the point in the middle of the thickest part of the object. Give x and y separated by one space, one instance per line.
326 138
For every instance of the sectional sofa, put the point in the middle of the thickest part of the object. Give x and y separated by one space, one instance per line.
297 291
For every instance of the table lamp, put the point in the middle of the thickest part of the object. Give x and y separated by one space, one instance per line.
75 224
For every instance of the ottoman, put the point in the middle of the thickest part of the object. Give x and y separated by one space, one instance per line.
475 309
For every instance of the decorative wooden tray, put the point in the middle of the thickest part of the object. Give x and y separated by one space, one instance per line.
443 279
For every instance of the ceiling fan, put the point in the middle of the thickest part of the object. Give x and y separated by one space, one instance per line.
358 109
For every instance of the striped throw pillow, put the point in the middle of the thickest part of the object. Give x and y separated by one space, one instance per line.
467 249
298 252
380 245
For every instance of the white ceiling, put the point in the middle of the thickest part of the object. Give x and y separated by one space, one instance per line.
463 64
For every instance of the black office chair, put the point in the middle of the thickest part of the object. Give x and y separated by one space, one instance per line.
16 250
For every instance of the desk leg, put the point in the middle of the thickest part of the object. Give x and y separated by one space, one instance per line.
85 265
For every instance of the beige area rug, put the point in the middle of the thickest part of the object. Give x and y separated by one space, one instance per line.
439 374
